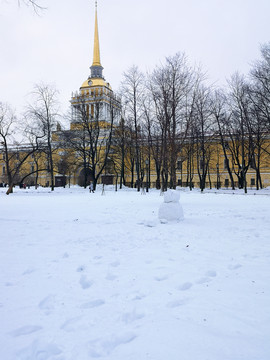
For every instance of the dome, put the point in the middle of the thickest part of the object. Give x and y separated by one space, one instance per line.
95 82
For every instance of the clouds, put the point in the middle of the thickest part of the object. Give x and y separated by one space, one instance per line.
224 36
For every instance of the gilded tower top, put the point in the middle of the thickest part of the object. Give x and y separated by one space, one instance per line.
96 56
96 68
96 78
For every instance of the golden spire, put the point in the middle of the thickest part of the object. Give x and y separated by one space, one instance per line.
96 57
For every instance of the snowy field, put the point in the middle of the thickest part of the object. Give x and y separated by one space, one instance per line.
85 276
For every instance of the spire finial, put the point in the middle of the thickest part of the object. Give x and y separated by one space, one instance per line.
96 68
96 59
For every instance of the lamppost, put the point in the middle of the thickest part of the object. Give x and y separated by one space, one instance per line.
217 176
147 174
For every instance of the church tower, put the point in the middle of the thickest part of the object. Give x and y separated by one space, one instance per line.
95 91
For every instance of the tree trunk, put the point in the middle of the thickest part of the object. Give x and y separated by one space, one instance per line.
10 189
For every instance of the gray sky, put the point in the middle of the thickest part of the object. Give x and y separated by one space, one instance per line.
57 47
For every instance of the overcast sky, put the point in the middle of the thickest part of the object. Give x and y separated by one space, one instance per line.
57 47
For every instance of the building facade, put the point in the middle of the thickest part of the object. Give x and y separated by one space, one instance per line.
92 149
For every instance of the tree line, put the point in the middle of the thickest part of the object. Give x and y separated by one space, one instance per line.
172 116
169 117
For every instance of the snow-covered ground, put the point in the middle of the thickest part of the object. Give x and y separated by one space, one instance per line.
85 276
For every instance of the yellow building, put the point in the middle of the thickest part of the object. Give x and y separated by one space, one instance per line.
95 112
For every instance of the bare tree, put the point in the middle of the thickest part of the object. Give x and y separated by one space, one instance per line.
152 139
204 130
35 4
124 148
66 165
238 129
188 148
260 75
15 153
43 111
92 138
7 119
189 156
121 142
222 117
78 142
172 87
259 121
132 93
258 134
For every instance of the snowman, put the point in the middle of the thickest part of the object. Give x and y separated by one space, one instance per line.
171 209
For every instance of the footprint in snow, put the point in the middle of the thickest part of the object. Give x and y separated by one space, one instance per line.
161 278
211 273
104 347
111 277
25 330
85 283
203 280
38 350
115 263
128 318
177 303
71 325
185 286
138 297
92 304
47 304
29 271
207 278
234 266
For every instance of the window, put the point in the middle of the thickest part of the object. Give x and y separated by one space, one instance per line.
226 182
226 164
32 168
179 165
3 170
252 182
